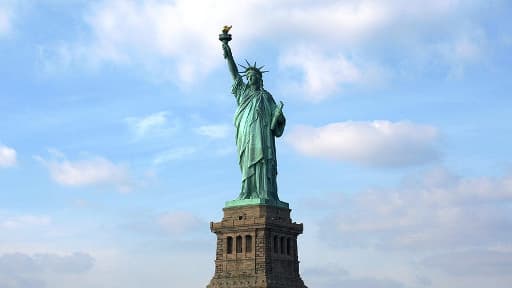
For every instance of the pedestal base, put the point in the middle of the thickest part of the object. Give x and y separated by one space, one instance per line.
256 248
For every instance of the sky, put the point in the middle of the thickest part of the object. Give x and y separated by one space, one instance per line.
117 143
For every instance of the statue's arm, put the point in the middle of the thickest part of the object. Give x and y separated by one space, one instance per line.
231 62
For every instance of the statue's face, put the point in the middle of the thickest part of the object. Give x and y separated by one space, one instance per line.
253 78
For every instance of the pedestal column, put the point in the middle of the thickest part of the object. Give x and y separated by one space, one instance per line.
256 248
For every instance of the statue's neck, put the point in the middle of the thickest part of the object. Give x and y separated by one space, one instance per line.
255 87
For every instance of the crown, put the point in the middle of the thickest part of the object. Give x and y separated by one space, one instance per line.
250 67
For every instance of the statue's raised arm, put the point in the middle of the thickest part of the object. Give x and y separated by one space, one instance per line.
225 38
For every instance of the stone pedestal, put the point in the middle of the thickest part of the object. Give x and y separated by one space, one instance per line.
256 248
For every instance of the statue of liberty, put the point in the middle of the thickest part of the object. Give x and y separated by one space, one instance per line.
258 120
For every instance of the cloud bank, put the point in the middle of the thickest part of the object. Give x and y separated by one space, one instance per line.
178 39
435 229
20 270
376 144
434 210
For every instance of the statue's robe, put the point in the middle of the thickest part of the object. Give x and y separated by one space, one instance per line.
255 141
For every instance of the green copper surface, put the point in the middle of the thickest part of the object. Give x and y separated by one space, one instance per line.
258 120
256 201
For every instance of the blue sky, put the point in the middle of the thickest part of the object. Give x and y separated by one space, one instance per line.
117 145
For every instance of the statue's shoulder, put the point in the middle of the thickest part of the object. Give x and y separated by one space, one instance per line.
267 93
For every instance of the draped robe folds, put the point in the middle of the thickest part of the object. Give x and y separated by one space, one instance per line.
255 141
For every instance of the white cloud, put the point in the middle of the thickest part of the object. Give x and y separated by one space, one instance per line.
7 156
435 228
91 171
323 75
20 270
214 131
4 22
178 39
153 125
170 40
431 211
173 154
144 124
377 143
6 15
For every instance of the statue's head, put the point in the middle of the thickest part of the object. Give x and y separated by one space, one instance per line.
253 74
